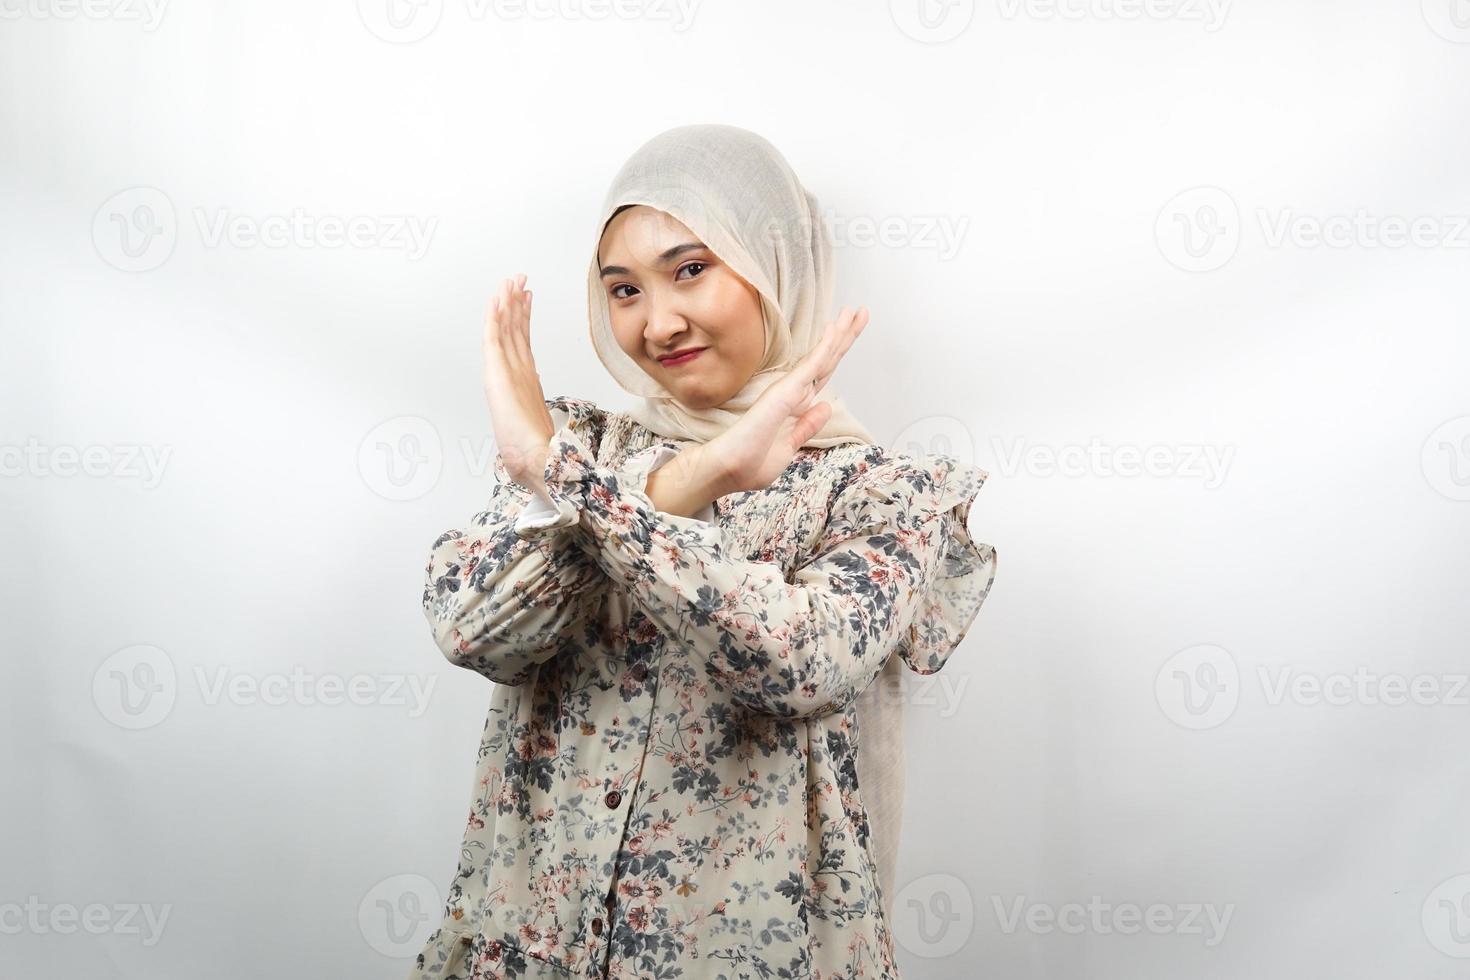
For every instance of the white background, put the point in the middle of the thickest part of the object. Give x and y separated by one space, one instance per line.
1112 733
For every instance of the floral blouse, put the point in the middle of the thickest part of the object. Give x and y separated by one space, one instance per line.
666 783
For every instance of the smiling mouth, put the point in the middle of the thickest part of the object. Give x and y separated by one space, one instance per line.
682 358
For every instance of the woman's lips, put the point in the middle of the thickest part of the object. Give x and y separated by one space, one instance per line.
685 359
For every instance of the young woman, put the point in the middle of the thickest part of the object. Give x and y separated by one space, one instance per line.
685 607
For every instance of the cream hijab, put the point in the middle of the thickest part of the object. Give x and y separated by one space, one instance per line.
737 193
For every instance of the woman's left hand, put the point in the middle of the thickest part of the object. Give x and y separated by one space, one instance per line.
755 450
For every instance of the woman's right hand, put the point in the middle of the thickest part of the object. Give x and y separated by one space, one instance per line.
523 425
757 447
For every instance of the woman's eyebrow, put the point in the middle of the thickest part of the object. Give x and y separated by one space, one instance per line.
666 256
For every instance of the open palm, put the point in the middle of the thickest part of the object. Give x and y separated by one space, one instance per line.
757 448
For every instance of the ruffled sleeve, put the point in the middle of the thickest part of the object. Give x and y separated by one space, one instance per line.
932 484
509 589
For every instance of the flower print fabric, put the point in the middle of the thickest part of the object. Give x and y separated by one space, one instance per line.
667 781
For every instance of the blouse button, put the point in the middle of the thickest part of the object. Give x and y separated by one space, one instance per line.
597 927
612 799
639 672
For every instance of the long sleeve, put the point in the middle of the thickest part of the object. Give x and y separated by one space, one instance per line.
792 649
500 602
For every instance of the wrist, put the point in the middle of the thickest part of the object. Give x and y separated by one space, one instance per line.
712 478
687 483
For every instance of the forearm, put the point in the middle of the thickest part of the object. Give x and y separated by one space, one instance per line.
790 648
687 483
500 605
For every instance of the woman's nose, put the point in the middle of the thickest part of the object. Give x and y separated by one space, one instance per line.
664 324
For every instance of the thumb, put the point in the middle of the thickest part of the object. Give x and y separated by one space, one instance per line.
810 423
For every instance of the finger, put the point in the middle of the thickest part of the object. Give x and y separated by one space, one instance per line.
828 352
846 332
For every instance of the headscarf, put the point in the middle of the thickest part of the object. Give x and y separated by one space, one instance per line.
739 196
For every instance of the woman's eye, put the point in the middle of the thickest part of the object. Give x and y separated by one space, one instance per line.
614 290
692 265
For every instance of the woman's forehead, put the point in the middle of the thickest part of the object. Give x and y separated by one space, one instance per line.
645 234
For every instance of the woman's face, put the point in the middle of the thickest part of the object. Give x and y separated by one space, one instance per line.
667 292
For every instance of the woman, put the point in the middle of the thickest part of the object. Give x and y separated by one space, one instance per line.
685 606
